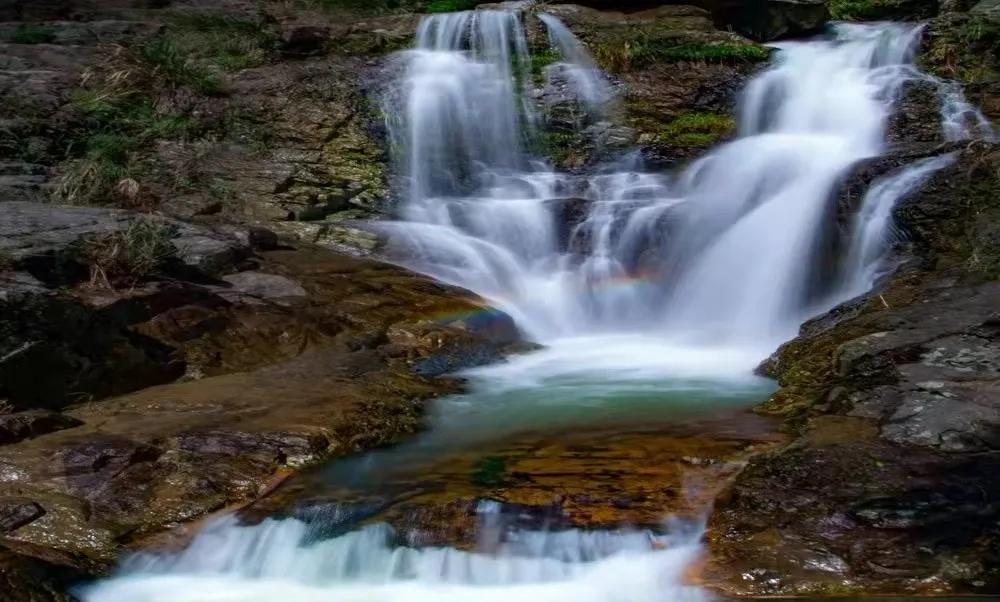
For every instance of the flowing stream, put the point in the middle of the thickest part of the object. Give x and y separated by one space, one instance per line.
654 295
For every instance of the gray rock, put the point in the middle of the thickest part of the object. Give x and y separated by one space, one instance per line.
31 230
270 287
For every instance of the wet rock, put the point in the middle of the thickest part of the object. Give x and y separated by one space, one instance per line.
269 287
26 575
24 425
767 20
15 513
305 41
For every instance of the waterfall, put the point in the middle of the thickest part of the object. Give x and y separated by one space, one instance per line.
626 275
728 253
283 560
873 228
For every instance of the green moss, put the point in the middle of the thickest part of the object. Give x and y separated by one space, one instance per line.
637 47
450 6
697 129
541 60
489 471
560 147
32 33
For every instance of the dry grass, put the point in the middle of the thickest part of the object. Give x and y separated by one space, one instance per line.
122 258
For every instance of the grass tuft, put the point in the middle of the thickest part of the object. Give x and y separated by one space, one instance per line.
167 61
122 258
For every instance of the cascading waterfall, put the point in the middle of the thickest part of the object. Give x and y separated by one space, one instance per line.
626 275
726 254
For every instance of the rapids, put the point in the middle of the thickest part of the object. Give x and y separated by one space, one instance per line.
676 283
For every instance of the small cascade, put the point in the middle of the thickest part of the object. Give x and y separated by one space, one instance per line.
283 560
873 229
587 81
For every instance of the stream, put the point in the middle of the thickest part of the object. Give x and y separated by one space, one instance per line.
582 471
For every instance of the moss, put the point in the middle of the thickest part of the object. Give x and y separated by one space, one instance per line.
637 47
964 47
32 33
450 6
541 60
560 147
697 129
489 471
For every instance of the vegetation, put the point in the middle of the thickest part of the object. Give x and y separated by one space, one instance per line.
450 6
122 258
637 47
223 42
32 33
175 67
123 113
868 10
560 147
697 129
965 47
540 60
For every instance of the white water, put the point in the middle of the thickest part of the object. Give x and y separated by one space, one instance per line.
666 282
282 560
724 256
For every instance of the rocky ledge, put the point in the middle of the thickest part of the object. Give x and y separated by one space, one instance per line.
194 386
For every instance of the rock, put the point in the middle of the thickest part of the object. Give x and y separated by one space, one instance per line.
54 351
262 239
41 237
269 287
24 425
767 20
26 575
305 41
761 20
15 513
